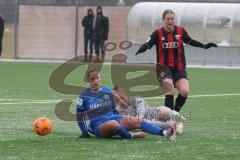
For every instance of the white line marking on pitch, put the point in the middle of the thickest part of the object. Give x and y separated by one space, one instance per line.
204 95
12 99
33 102
56 101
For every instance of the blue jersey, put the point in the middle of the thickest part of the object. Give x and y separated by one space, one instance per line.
94 106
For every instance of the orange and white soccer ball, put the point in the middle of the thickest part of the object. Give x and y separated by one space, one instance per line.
42 126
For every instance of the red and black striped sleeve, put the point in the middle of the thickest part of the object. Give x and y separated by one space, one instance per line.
152 40
188 40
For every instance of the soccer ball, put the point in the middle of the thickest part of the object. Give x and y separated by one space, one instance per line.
42 126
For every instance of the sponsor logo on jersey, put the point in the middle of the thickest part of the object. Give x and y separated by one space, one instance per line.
106 97
177 37
170 45
79 101
97 105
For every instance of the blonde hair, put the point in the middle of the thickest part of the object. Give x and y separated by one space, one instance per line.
117 89
167 11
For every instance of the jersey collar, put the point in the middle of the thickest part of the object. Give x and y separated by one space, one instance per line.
96 91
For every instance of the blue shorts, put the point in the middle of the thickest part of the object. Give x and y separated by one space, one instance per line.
103 119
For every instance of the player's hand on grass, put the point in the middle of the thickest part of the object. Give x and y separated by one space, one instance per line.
143 48
85 135
209 45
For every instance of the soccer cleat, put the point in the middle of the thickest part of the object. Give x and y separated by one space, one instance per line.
183 119
179 128
179 117
171 134
139 135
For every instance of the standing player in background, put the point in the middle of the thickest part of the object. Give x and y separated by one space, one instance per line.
96 113
1 31
100 33
169 41
87 23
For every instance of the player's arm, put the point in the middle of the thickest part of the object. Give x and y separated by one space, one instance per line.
81 119
188 40
114 109
84 22
113 100
141 107
151 41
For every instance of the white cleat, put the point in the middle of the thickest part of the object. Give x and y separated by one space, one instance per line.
178 117
183 119
179 128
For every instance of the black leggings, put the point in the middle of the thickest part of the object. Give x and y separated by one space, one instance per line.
86 40
99 45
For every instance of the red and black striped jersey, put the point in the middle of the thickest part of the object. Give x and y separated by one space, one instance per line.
169 46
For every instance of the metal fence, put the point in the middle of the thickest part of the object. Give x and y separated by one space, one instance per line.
51 29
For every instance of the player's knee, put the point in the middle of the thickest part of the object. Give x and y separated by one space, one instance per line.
138 123
184 92
110 126
114 126
169 88
132 122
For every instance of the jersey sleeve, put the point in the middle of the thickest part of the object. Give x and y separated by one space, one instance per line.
152 40
188 40
80 115
114 109
141 107
113 103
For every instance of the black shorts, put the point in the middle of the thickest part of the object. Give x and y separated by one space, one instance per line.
174 74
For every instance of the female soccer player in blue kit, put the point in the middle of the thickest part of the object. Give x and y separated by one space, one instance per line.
96 113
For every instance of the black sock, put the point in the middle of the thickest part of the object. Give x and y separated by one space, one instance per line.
169 101
180 101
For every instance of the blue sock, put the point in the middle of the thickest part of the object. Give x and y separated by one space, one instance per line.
151 128
124 133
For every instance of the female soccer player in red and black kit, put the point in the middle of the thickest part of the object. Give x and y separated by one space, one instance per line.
169 41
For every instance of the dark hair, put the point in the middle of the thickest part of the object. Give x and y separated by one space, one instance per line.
99 7
90 10
167 11
90 71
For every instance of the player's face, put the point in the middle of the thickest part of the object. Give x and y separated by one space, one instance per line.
99 11
90 13
169 21
95 81
122 99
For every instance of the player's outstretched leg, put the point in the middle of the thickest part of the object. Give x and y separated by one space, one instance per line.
130 122
112 128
